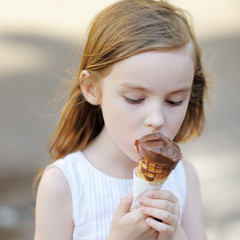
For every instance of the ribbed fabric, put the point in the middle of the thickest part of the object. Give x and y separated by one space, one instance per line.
95 195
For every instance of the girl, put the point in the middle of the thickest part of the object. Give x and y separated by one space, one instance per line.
140 73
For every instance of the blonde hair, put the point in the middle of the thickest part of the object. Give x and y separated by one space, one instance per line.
124 29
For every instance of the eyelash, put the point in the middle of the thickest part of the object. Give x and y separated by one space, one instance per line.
174 104
138 101
134 101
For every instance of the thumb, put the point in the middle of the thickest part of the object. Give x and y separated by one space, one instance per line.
124 206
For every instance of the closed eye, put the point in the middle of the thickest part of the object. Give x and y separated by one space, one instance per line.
134 101
174 103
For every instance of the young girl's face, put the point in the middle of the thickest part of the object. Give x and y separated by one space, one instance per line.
147 93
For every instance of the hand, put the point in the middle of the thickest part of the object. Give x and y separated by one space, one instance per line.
130 225
161 205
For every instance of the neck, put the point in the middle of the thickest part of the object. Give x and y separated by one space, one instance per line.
103 154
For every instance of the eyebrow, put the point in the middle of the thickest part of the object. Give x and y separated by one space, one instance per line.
128 86
182 90
138 88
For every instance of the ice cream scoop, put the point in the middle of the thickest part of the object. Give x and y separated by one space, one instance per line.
158 157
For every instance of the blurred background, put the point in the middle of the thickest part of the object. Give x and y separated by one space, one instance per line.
40 43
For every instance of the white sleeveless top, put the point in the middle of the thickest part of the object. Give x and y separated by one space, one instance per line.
95 195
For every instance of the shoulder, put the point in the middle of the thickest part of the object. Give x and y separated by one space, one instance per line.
69 169
191 173
53 206
54 183
192 220
71 163
193 186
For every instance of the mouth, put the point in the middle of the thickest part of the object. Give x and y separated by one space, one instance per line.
155 133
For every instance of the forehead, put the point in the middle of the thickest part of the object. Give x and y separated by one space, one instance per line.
152 69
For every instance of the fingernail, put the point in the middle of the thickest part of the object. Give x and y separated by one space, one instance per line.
151 194
140 201
143 208
148 220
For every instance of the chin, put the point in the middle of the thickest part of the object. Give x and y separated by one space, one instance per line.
135 160
134 157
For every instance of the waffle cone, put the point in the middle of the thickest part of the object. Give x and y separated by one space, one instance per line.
151 172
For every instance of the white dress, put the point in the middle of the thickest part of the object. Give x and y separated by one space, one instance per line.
95 195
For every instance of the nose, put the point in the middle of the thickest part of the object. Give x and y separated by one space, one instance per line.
154 118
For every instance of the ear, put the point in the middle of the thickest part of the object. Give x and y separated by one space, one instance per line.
89 88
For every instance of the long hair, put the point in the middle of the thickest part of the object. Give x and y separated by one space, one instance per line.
124 29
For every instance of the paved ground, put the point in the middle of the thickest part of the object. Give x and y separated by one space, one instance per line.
27 82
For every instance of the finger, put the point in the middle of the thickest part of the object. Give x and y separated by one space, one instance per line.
124 206
160 203
165 216
163 194
138 216
162 228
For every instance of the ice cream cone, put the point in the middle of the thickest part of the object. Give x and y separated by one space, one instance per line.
158 157
151 172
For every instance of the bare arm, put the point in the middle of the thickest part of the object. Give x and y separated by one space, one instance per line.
53 207
192 219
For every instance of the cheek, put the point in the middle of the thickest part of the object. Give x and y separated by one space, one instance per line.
121 125
175 123
117 116
122 132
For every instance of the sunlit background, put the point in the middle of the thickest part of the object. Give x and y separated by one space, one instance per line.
40 44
